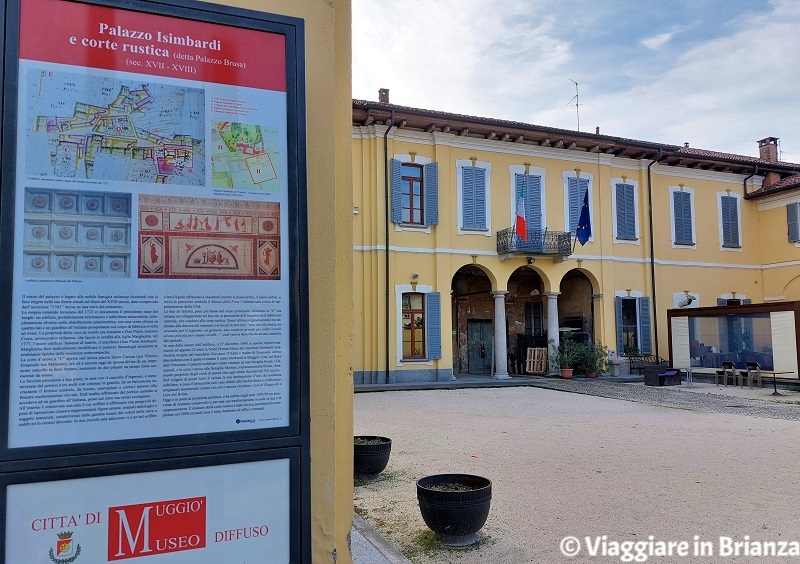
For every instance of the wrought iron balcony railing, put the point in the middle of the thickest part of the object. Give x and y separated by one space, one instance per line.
538 243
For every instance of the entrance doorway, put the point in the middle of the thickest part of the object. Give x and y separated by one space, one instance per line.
479 346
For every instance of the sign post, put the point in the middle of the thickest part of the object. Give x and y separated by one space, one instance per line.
152 208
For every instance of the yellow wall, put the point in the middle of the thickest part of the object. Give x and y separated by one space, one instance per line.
328 115
766 266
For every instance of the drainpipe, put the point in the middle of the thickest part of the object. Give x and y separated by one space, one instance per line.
652 251
386 166
744 182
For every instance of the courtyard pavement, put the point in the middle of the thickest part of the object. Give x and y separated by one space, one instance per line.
616 459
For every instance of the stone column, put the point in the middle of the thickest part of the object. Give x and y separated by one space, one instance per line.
552 328
500 340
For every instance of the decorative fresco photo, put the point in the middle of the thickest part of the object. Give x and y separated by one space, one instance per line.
183 237
70 233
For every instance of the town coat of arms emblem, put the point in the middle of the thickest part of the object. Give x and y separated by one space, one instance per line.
66 550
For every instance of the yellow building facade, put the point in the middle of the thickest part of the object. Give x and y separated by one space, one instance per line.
327 47
444 283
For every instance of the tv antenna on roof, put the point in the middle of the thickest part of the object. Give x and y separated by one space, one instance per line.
576 97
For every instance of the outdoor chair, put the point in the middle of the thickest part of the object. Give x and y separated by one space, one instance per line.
754 369
728 371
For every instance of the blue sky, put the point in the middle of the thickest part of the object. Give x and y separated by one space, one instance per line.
718 74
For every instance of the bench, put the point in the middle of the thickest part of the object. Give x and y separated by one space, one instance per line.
641 361
653 376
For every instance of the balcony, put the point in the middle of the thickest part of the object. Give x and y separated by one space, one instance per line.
556 244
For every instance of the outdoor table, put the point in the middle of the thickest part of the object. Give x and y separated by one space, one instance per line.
688 376
774 384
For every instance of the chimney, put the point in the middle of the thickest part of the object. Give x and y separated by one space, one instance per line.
768 151
383 95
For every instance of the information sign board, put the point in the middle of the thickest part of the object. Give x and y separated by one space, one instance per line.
226 512
155 216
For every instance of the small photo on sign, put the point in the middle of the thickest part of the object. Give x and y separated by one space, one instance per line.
73 233
243 156
184 237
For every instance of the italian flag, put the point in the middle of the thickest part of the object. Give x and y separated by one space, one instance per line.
521 226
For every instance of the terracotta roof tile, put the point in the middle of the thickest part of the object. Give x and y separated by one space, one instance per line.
675 150
787 183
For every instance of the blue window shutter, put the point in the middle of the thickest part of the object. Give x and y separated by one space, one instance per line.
683 217
730 222
726 221
431 188
677 213
734 209
687 217
433 314
793 218
533 203
577 190
645 346
480 198
574 204
620 344
620 190
468 197
626 229
397 193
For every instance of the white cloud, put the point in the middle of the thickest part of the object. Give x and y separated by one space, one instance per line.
513 60
657 40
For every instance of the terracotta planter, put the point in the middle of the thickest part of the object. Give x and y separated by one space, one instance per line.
455 506
566 373
370 458
592 375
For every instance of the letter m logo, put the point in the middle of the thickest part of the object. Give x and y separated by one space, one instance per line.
129 531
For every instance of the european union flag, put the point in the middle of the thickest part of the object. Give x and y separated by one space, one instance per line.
584 230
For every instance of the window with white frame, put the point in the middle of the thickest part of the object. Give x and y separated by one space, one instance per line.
419 336
633 324
682 210
474 196
415 191
624 195
530 186
575 190
729 220
793 221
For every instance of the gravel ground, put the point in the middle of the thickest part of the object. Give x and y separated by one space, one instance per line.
670 463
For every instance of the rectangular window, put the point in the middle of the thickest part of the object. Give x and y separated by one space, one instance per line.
633 325
730 221
411 193
577 191
534 319
626 212
630 325
531 187
413 325
793 219
682 216
415 193
474 197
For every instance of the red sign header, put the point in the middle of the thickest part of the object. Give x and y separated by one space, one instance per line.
154 528
123 40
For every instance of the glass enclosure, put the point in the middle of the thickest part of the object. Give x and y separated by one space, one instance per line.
740 338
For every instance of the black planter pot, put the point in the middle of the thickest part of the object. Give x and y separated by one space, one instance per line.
456 516
371 459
